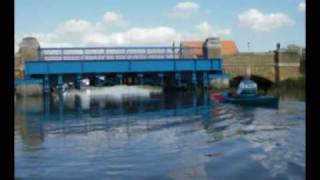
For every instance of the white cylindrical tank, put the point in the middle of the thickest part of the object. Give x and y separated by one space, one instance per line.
212 47
28 48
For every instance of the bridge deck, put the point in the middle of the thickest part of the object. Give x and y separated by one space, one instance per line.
120 66
119 60
182 61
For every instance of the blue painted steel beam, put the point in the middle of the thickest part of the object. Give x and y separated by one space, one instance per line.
121 66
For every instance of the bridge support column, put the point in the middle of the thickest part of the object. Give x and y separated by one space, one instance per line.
140 79
120 76
78 81
92 81
46 100
194 79
206 99
61 106
97 80
46 84
205 80
178 79
161 75
60 83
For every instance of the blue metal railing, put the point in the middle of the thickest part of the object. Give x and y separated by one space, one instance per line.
118 53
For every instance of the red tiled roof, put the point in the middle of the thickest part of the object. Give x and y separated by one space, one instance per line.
227 47
196 44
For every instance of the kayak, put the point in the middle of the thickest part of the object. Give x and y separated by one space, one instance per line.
255 100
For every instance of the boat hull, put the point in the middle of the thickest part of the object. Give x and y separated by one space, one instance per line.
268 101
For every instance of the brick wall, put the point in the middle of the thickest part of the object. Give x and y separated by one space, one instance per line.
262 64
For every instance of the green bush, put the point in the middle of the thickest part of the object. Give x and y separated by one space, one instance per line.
290 88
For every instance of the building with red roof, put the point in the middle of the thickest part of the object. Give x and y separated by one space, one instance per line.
227 47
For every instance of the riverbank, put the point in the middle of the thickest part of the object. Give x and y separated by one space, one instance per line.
288 89
28 90
285 89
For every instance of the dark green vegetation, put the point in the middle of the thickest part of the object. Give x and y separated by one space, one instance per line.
290 88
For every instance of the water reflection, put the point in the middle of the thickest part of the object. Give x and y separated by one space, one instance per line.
133 111
175 135
30 127
30 131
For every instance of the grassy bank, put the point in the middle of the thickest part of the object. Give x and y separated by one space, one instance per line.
28 90
288 89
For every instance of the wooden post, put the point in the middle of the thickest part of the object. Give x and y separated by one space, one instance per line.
276 64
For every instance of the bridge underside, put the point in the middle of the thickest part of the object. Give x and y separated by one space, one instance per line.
164 72
266 71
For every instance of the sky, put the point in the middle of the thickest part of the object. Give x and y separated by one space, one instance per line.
260 23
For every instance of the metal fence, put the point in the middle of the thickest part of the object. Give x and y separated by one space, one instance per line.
118 53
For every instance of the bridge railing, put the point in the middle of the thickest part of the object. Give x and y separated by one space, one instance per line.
118 53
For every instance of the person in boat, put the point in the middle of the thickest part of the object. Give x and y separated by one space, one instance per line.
247 87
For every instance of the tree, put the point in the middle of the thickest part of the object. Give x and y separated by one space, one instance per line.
295 48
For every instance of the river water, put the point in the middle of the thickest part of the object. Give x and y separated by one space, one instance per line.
143 133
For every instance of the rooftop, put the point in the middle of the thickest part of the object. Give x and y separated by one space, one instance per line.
227 47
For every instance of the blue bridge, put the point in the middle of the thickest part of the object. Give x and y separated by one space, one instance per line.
165 66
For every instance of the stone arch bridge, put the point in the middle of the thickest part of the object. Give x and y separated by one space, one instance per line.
271 66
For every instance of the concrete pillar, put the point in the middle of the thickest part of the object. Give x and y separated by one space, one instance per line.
141 80
161 75
120 76
78 81
46 84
